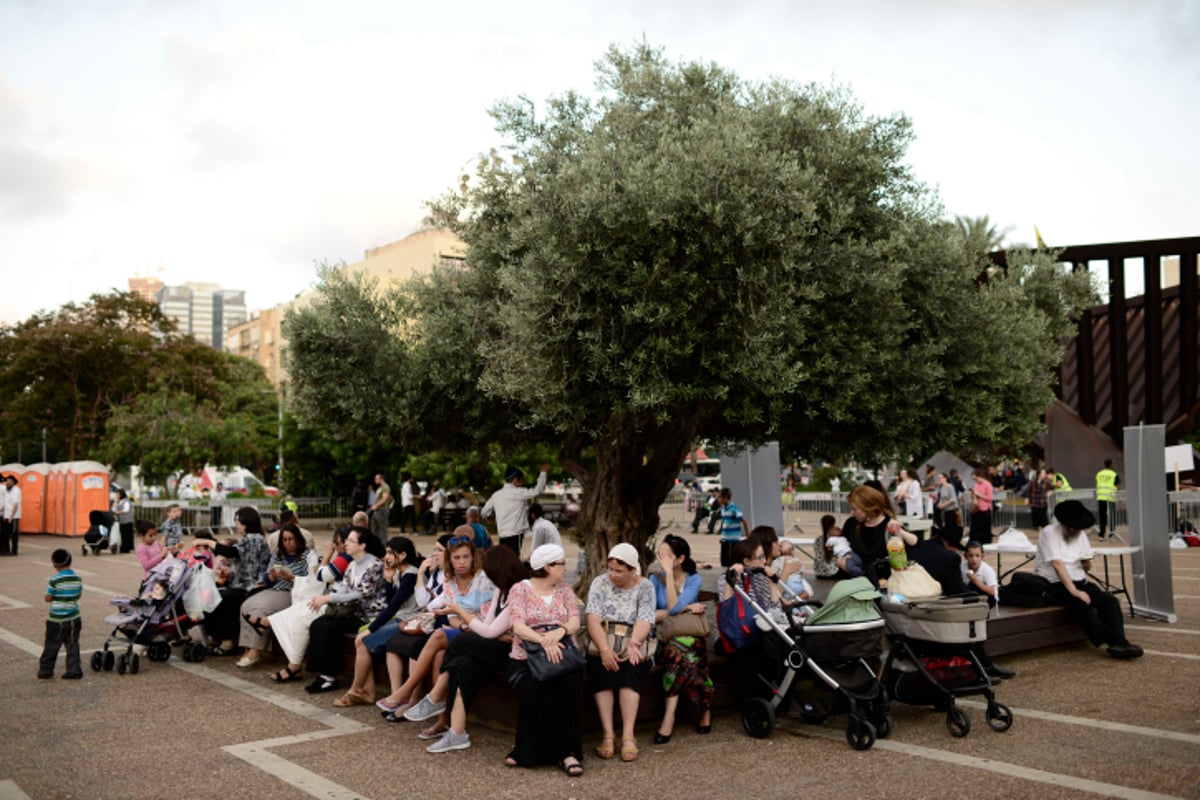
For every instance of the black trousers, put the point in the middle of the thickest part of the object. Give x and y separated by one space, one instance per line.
59 634
8 536
1103 509
1101 620
126 537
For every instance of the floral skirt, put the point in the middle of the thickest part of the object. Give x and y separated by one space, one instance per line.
685 662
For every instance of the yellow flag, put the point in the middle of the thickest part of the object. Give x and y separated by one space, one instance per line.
1040 242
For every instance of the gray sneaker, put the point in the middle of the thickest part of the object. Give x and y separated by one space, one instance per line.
450 741
426 709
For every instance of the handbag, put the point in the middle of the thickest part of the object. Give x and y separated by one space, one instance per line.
685 624
543 669
349 610
420 624
617 635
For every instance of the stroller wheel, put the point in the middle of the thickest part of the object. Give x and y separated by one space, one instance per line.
198 652
187 652
97 661
122 664
134 664
84 549
999 717
164 651
883 727
109 659
860 734
957 722
758 718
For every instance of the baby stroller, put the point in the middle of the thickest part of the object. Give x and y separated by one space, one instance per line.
826 665
155 620
932 661
102 533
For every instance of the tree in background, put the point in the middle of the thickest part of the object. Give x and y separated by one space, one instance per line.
690 255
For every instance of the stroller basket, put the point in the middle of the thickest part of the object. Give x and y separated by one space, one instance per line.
955 620
842 642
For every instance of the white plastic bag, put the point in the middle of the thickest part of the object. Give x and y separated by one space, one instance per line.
201 596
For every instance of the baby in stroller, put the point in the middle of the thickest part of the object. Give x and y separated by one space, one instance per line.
101 534
150 622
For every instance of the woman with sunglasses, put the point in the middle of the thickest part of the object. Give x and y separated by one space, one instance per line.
619 597
405 647
545 610
466 589
289 561
400 583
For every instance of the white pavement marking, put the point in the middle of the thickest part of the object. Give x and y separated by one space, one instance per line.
1012 770
10 791
256 753
1153 629
1187 597
20 642
1098 724
11 603
1173 655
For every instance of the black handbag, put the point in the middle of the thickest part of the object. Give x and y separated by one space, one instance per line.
543 669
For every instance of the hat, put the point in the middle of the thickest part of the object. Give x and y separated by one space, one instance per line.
545 555
512 472
1075 515
627 554
203 538
951 534
11 477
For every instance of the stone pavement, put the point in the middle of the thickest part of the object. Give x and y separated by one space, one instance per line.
1086 726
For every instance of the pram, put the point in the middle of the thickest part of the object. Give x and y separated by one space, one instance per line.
825 663
102 533
932 662
155 620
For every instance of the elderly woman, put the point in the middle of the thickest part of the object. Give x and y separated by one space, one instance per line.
685 658
250 556
289 561
400 583
478 654
544 610
619 597
359 597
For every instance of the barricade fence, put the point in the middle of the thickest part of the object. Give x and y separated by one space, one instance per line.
199 515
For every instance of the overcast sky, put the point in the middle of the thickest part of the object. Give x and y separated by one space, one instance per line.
243 142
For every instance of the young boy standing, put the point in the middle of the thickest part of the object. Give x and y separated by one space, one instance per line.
172 528
62 628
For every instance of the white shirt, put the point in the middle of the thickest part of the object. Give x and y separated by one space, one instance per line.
840 546
835 484
913 501
544 532
508 506
438 501
1052 546
12 503
985 573
406 497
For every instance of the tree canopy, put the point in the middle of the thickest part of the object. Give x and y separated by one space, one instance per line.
686 255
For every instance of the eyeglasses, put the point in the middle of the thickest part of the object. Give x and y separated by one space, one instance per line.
458 540
557 564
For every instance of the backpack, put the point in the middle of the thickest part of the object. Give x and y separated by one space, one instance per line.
1026 590
736 626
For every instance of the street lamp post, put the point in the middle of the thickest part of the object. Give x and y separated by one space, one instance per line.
278 392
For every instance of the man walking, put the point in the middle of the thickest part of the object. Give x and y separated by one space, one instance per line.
380 508
1107 481
508 505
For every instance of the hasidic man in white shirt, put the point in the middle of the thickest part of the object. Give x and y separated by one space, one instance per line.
543 529
12 515
508 505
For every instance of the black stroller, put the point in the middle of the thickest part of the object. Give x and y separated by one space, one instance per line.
826 663
932 660
102 533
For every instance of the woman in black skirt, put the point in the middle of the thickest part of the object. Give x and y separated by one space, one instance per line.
544 610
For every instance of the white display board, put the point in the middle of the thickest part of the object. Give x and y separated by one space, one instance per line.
753 478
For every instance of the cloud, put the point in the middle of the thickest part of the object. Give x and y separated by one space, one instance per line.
220 145
33 184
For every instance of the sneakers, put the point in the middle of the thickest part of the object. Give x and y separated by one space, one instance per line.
450 741
424 710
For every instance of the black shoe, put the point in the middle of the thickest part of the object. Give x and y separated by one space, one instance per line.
703 729
321 685
999 673
660 738
1125 651
72 676
43 676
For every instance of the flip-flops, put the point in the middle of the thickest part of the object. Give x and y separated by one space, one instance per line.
352 699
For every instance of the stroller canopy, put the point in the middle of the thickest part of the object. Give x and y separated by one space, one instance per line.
849 601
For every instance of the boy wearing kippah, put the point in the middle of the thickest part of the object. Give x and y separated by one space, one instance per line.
62 628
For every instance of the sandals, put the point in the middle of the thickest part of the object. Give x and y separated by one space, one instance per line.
257 623
218 650
352 698
434 731
574 770
607 748
286 675
629 750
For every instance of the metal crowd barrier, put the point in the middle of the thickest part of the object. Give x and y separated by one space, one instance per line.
197 515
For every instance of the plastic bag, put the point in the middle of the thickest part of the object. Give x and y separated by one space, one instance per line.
201 596
914 582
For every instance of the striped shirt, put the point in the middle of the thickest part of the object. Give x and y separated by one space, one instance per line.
64 590
731 523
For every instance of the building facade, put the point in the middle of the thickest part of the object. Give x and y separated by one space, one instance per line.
204 310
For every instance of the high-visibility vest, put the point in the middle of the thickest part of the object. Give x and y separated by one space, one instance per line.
1106 485
1061 482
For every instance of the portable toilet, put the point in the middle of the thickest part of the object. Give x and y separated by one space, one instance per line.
87 490
33 498
54 499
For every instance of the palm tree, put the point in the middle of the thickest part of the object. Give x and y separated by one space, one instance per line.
981 233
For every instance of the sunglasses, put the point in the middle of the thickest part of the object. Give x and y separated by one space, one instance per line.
459 540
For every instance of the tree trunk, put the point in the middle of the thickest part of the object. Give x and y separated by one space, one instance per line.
637 463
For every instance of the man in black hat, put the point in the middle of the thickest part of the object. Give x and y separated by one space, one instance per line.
1064 556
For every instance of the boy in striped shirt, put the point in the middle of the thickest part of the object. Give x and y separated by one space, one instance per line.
62 628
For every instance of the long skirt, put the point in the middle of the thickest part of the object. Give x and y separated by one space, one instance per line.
291 626
981 527
547 717
471 661
685 662
263 604
325 643
222 623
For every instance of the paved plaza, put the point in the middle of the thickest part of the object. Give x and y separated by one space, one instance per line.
1086 725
